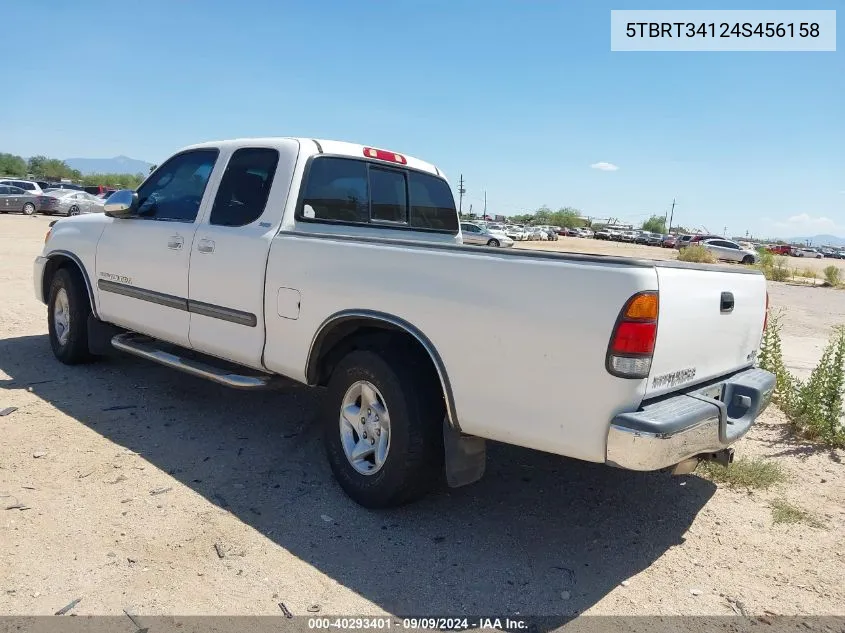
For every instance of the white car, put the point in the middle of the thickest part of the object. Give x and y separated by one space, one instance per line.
482 236
253 262
807 252
27 185
730 251
515 233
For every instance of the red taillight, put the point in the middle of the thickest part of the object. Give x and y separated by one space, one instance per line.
632 343
634 338
382 154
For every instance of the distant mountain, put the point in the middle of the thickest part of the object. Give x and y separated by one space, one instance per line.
818 240
116 165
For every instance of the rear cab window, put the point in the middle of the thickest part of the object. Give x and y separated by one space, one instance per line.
353 191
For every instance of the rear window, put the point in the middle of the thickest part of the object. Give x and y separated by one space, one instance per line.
355 191
388 196
337 190
432 204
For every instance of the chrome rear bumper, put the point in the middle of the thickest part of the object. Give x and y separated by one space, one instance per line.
703 420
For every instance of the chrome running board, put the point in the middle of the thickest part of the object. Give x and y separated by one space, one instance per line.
146 347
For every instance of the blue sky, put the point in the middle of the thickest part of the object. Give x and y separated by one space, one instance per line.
520 97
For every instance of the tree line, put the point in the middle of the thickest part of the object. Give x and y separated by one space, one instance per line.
571 218
54 170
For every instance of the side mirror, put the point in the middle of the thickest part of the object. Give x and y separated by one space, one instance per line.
121 204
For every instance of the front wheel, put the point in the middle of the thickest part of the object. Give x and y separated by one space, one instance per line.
67 318
748 259
493 243
382 427
74 210
28 208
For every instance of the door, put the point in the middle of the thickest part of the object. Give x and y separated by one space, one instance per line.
230 250
17 198
4 198
472 234
142 261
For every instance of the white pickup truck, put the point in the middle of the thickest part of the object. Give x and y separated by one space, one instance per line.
342 266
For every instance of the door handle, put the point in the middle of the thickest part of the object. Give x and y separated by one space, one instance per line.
205 246
175 242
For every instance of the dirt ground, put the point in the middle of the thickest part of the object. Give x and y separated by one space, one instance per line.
146 489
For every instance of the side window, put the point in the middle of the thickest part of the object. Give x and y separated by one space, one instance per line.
3 190
470 228
432 204
388 193
245 186
175 190
337 190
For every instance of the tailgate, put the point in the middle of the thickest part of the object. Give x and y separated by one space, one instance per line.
699 335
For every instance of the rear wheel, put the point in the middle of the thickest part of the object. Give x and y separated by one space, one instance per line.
382 427
67 318
74 210
28 208
493 243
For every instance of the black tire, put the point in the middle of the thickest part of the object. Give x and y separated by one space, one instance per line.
494 243
74 210
414 462
74 350
28 208
748 260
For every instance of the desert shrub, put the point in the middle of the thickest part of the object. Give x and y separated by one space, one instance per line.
809 273
814 407
696 253
772 266
833 276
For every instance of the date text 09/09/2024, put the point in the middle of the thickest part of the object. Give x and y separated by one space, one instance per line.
723 29
423 623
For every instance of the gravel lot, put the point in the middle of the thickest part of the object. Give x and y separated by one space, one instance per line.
154 491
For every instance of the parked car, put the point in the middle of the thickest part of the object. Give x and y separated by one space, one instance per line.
627 236
806 251
669 241
480 236
682 241
700 237
326 294
603 234
730 251
828 252
649 239
14 199
27 185
779 249
516 233
66 185
68 202
551 234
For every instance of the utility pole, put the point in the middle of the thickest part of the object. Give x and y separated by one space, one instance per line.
461 192
671 217
484 217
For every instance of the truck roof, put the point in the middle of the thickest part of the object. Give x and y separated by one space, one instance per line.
320 146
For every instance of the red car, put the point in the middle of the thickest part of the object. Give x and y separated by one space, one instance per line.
780 249
670 241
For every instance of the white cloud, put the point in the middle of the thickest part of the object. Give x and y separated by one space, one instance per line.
805 223
603 166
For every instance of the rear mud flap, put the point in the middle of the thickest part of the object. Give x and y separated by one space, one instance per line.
465 456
